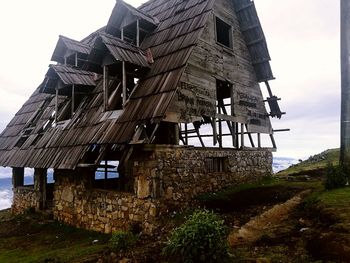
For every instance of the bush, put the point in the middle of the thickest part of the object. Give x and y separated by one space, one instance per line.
202 238
336 177
122 240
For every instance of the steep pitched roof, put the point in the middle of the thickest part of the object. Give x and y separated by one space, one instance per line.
179 25
254 38
124 51
64 44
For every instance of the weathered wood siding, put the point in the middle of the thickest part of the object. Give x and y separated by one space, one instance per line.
209 61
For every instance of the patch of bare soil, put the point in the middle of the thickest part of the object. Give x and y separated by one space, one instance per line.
272 218
329 239
240 207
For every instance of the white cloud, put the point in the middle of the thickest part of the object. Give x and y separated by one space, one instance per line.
5 199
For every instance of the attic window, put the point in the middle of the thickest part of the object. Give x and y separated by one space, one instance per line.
223 33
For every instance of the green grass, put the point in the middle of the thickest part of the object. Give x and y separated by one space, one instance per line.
33 240
313 163
226 193
338 198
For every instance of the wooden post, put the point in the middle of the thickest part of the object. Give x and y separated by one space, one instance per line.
56 106
73 100
199 137
124 84
186 135
215 134
105 87
123 73
177 134
76 59
233 114
250 137
220 127
273 141
268 89
237 135
242 135
259 140
345 83
40 181
137 33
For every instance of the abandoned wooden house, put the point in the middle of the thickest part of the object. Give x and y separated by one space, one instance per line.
135 120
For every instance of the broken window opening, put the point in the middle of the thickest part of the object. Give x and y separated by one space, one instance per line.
216 164
28 177
225 97
21 141
77 60
66 110
223 33
38 113
107 170
107 176
134 33
114 90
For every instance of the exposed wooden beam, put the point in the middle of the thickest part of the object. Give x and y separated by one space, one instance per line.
56 106
250 137
137 32
73 100
242 135
124 84
199 137
273 141
215 134
105 87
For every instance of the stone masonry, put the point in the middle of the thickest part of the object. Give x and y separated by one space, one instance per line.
166 178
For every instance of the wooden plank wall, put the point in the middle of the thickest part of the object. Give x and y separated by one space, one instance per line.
210 60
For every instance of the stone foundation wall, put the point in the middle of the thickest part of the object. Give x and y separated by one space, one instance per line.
165 179
177 174
24 198
76 203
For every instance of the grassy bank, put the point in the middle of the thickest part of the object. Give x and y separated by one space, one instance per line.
314 164
33 238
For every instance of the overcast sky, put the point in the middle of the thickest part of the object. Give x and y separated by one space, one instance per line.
303 39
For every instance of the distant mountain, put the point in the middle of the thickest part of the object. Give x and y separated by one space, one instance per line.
282 163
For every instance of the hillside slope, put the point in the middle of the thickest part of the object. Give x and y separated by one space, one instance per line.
315 164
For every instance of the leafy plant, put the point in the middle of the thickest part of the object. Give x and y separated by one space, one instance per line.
122 240
202 238
336 177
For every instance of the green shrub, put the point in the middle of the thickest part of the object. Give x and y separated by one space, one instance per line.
122 240
202 238
336 177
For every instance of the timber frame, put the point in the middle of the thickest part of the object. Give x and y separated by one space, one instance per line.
171 72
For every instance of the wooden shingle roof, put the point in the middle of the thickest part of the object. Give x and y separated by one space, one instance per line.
64 44
178 26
